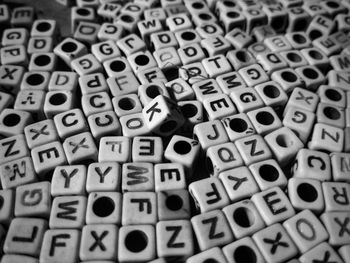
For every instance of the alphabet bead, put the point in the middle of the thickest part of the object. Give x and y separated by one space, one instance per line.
284 144
167 121
241 249
183 150
298 40
95 103
305 230
178 22
131 44
287 78
180 90
139 208
277 17
203 226
336 196
22 16
70 123
103 176
175 239
40 133
108 11
246 99
331 115
33 200
243 218
60 244
306 194
7 196
209 194
312 165
264 120
169 176
275 244
29 102
193 73
22 167
151 75
316 57
14 36
219 106
311 76
122 84
25 236
268 174
240 58
147 149
62 80
327 45
163 39
86 64
11 78
210 133
68 212
303 99
320 252
68 180
168 61
229 81
46 157
273 205
340 171
272 94
222 157
193 112
12 122
104 208
332 95
114 149
238 126
191 53
338 79
148 92
238 38
105 50
98 242
148 27
134 125
92 83
14 55
40 45
57 102
326 137
70 49
109 31
239 183
173 205
143 249
214 45
336 225
216 65
38 80
232 19
205 88
272 61
137 177
253 149
214 253
13 148
104 124
79 14
298 19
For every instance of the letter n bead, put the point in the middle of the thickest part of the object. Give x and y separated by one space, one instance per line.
162 116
